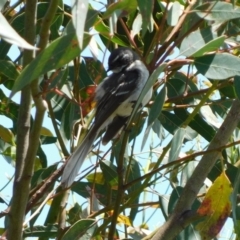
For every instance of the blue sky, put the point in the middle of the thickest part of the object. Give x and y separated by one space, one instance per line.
7 170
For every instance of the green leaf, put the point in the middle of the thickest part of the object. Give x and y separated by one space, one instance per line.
70 113
237 85
200 42
41 174
79 15
109 172
218 11
8 69
234 201
146 134
53 213
222 107
57 54
101 191
198 124
48 139
190 233
228 91
186 172
104 31
78 229
146 12
49 231
174 13
4 48
157 106
176 144
218 66
74 213
126 5
58 82
8 34
171 122
134 173
137 25
176 86
6 135
92 15
154 112
174 198
163 205
95 70
154 76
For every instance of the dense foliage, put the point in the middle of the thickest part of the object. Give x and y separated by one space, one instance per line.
174 172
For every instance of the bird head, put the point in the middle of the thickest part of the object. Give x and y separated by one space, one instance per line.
121 58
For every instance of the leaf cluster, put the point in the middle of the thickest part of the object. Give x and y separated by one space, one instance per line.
191 49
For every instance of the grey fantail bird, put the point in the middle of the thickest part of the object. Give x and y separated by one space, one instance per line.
115 97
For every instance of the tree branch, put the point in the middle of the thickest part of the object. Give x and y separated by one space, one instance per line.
26 155
171 228
21 184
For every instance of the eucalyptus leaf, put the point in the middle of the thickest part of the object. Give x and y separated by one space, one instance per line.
174 13
8 69
11 36
78 229
146 12
200 42
237 86
218 11
176 144
154 76
49 231
79 15
57 54
109 172
218 66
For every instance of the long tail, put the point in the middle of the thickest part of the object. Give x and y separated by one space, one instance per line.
76 160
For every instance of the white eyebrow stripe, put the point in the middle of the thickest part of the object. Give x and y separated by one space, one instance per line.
121 93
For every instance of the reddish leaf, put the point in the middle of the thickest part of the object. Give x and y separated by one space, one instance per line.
87 97
215 207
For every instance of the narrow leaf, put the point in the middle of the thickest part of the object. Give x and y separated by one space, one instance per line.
79 14
11 36
134 173
154 76
137 25
146 12
146 134
127 6
218 66
59 53
234 201
218 11
8 69
176 144
236 84
49 231
6 135
2 3
78 229
155 111
157 106
174 13
200 42
109 172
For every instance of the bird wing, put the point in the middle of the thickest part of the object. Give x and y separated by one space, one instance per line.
113 128
115 94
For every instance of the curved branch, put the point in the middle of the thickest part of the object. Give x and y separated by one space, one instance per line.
171 228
